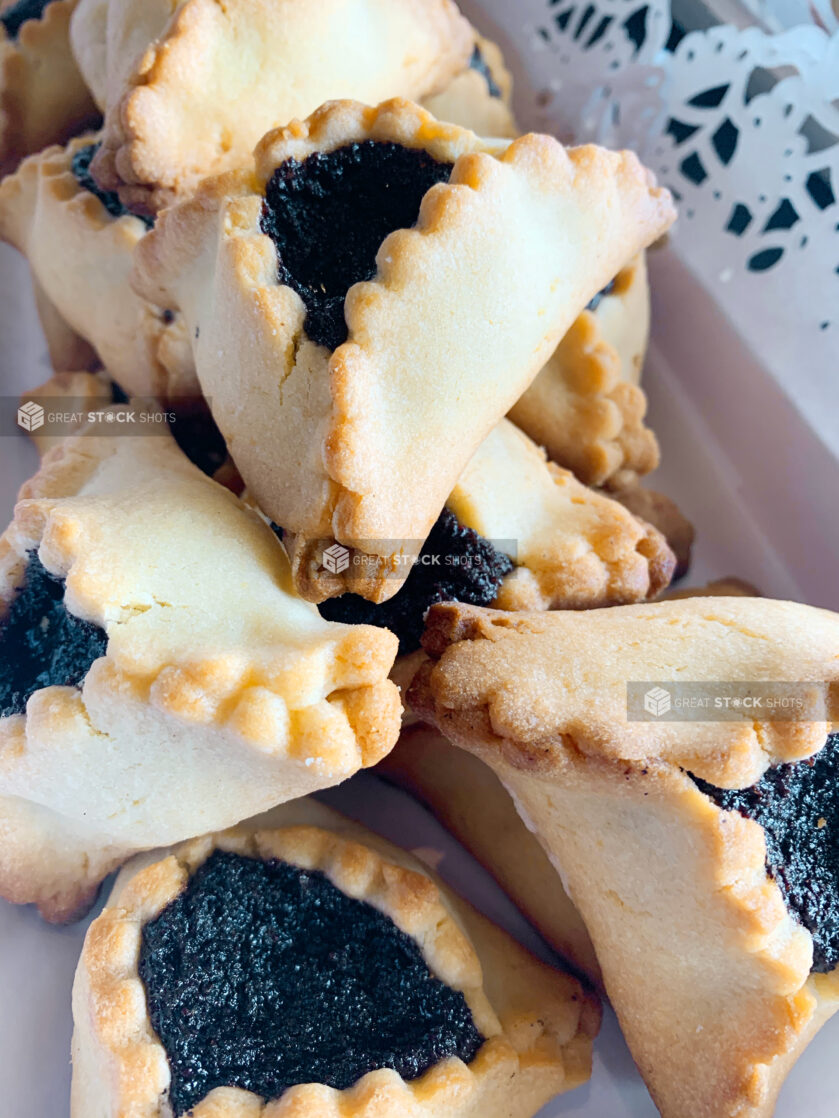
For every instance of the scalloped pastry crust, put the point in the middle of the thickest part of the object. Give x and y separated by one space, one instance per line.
364 444
43 97
573 548
664 514
191 86
708 971
81 259
586 406
221 693
538 1022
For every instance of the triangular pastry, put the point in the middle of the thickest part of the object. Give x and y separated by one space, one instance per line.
471 802
159 674
79 242
517 532
188 88
369 300
43 97
301 967
702 855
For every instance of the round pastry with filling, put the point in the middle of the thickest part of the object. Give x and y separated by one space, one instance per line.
301 966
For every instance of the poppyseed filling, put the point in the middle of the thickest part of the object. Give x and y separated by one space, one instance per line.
798 807
109 199
14 17
197 434
329 214
479 63
42 644
262 976
455 565
193 429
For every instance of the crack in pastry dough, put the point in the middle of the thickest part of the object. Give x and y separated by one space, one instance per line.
335 454
225 695
537 1023
189 88
710 972
81 257
43 98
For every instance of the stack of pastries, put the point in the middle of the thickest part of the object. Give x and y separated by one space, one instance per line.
396 521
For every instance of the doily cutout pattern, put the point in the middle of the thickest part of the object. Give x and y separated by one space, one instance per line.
742 125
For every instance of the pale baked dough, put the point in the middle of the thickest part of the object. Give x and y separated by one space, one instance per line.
586 406
81 259
221 693
43 97
573 548
363 445
76 394
663 513
189 86
709 973
471 802
469 102
537 1021
87 391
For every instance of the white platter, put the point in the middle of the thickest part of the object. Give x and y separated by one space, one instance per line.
738 482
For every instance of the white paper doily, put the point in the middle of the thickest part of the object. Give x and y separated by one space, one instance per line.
742 125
